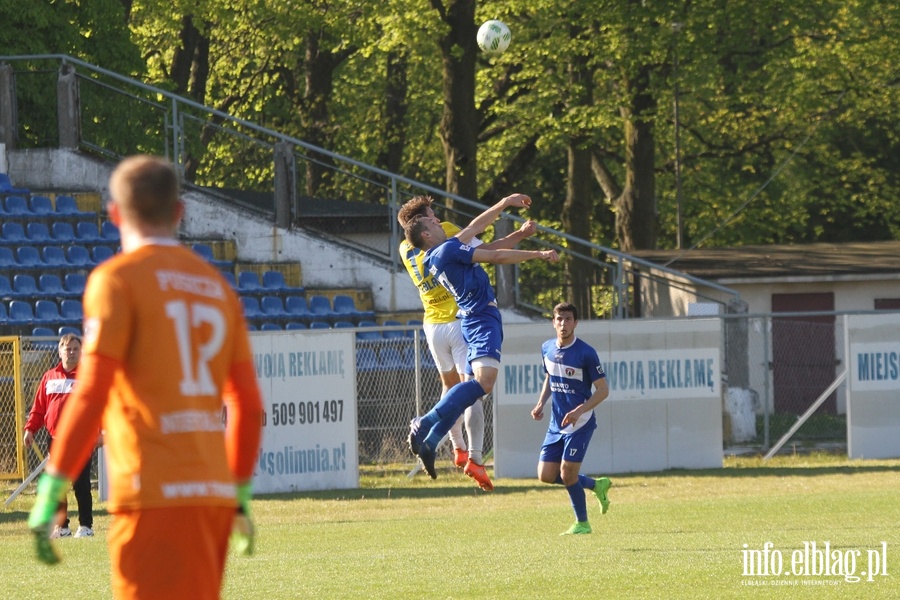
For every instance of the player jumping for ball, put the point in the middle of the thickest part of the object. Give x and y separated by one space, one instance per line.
454 264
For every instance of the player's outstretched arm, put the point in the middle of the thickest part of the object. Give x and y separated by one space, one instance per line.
482 221
528 229
512 257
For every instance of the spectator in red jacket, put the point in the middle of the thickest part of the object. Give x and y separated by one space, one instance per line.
55 387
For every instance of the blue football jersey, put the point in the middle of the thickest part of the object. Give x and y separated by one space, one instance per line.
450 263
573 371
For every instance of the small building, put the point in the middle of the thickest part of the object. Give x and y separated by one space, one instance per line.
786 361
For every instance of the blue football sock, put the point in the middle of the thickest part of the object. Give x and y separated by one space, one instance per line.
454 403
579 504
586 482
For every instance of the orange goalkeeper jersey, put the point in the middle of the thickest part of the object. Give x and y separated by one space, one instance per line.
174 332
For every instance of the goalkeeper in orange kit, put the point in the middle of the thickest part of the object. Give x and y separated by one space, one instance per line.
165 350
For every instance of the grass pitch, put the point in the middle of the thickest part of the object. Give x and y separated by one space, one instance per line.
675 534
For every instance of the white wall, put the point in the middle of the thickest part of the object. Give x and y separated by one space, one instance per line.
323 264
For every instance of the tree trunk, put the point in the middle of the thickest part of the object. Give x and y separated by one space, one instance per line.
636 216
183 58
190 74
576 221
395 109
577 209
320 64
459 123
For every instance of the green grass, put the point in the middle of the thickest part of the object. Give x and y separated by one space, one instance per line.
676 534
818 428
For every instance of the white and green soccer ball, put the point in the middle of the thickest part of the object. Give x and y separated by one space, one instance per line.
493 37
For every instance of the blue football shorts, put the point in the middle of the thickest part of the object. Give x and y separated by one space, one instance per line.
569 447
483 332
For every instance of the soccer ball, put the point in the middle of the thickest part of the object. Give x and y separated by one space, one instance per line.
493 37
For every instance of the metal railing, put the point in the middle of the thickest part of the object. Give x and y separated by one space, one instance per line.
237 160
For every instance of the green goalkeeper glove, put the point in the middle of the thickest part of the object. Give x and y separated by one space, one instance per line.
242 533
50 491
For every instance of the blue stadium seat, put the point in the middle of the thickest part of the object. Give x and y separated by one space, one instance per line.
79 257
54 256
12 234
109 232
74 283
273 282
17 206
66 205
47 312
86 232
45 332
270 327
41 206
344 324
6 290
4 316
319 325
392 359
24 286
38 233
297 309
71 311
28 257
251 307
248 283
7 258
205 250
62 232
251 327
273 308
20 313
101 253
417 324
294 325
229 277
368 335
6 186
366 360
69 329
394 334
320 307
345 306
51 285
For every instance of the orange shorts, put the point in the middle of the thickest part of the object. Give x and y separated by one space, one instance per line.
169 553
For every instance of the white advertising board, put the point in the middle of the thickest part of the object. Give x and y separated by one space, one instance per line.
308 384
873 411
664 408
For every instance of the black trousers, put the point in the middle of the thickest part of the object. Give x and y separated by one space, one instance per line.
82 488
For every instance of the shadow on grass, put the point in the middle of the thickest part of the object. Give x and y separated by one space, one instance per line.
21 516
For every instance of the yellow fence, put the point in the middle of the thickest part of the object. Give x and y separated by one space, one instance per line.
23 361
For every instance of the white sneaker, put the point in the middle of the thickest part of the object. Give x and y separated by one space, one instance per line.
84 532
60 532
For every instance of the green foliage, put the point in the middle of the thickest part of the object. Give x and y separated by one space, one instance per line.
787 121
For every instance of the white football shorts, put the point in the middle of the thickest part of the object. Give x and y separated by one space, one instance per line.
447 345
